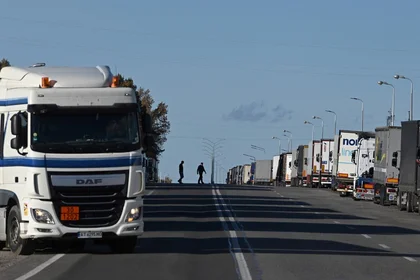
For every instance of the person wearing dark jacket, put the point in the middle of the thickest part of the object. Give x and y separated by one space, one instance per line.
181 172
200 170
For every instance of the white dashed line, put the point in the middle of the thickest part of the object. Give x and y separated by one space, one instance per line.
366 236
409 259
41 267
281 195
336 222
384 246
350 227
317 213
302 206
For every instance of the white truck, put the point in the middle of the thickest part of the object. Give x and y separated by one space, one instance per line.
72 164
345 170
364 158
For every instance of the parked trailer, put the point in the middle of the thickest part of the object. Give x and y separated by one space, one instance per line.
363 157
306 166
316 163
409 183
294 177
327 148
285 170
275 168
263 172
345 174
335 162
246 174
300 153
385 176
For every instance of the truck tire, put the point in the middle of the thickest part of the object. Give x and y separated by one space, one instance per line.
124 245
2 245
17 245
410 200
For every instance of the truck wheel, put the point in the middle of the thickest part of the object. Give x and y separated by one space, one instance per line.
17 245
410 202
124 245
2 245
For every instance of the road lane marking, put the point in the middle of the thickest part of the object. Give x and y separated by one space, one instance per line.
281 195
317 213
239 257
40 267
410 259
384 246
302 206
350 227
336 222
366 236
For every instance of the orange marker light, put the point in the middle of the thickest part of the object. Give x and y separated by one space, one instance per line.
115 81
45 82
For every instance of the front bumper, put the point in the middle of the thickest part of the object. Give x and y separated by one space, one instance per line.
34 230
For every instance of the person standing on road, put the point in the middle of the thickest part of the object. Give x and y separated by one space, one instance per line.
200 171
181 172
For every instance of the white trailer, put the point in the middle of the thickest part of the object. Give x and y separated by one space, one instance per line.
316 163
327 161
72 164
246 174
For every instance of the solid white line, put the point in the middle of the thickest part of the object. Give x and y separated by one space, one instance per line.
384 246
410 259
244 272
336 222
366 236
40 267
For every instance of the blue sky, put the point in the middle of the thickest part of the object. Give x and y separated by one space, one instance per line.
239 70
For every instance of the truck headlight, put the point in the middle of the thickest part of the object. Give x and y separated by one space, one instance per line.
133 215
42 216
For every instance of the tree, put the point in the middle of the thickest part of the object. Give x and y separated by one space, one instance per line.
4 62
160 122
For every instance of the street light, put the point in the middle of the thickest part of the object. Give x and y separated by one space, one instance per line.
363 108
393 100
335 120
213 146
411 93
274 137
290 138
322 131
250 157
257 148
313 127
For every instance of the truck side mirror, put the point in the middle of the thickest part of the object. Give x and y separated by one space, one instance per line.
395 154
317 157
295 163
353 157
306 161
20 130
290 164
394 162
330 156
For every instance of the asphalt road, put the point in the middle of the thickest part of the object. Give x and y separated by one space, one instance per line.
247 232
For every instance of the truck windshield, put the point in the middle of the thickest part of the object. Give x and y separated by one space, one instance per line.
84 132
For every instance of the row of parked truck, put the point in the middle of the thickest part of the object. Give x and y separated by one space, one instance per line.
381 166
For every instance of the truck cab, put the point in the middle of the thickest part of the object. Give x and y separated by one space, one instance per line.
71 158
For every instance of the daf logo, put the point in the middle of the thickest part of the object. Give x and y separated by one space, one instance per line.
88 181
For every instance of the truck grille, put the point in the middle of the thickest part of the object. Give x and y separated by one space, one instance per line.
99 206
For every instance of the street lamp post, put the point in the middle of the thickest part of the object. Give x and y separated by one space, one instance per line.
213 145
335 120
411 93
363 108
313 128
322 121
277 138
290 138
393 100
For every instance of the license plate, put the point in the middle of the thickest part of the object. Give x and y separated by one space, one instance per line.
69 213
391 197
89 234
